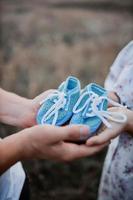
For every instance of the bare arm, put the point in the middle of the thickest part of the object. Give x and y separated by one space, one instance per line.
38 142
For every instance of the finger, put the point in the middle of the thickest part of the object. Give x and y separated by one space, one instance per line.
57 134
43 95
102 138
74 132
74 151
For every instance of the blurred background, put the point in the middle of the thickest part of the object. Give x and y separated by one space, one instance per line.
41 43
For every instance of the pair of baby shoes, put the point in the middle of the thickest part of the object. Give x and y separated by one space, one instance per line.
70 104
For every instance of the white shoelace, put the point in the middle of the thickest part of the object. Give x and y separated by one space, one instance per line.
94 109
59 103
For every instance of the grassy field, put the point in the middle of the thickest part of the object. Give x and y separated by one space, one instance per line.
41 43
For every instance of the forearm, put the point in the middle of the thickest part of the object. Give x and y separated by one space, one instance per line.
13 108
12 149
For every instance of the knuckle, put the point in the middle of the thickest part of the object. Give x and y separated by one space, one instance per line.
73 133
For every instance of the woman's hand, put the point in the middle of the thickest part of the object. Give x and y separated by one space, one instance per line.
109 133
113 95
45 142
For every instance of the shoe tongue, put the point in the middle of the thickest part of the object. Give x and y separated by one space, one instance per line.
64 87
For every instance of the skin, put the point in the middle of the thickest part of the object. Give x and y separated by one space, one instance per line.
112 95
19 111
117 128
38 141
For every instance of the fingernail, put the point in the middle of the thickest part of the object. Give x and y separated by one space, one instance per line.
84 132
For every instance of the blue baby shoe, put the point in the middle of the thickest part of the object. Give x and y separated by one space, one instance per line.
88 107
57 108
91 109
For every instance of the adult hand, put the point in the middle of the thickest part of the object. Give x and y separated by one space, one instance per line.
48 142
28 117
109 133
45 142
113 95
18 111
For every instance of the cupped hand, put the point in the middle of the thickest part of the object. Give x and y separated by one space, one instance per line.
106 134
48 142
28 110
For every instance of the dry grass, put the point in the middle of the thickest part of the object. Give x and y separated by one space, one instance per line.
40 47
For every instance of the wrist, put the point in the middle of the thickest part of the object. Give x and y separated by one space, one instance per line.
27 144
11 151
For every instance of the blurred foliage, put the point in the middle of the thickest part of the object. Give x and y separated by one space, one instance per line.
41 43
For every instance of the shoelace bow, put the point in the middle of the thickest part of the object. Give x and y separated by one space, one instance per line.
59 103
96 110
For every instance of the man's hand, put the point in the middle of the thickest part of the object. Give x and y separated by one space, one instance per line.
45 142
48 142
